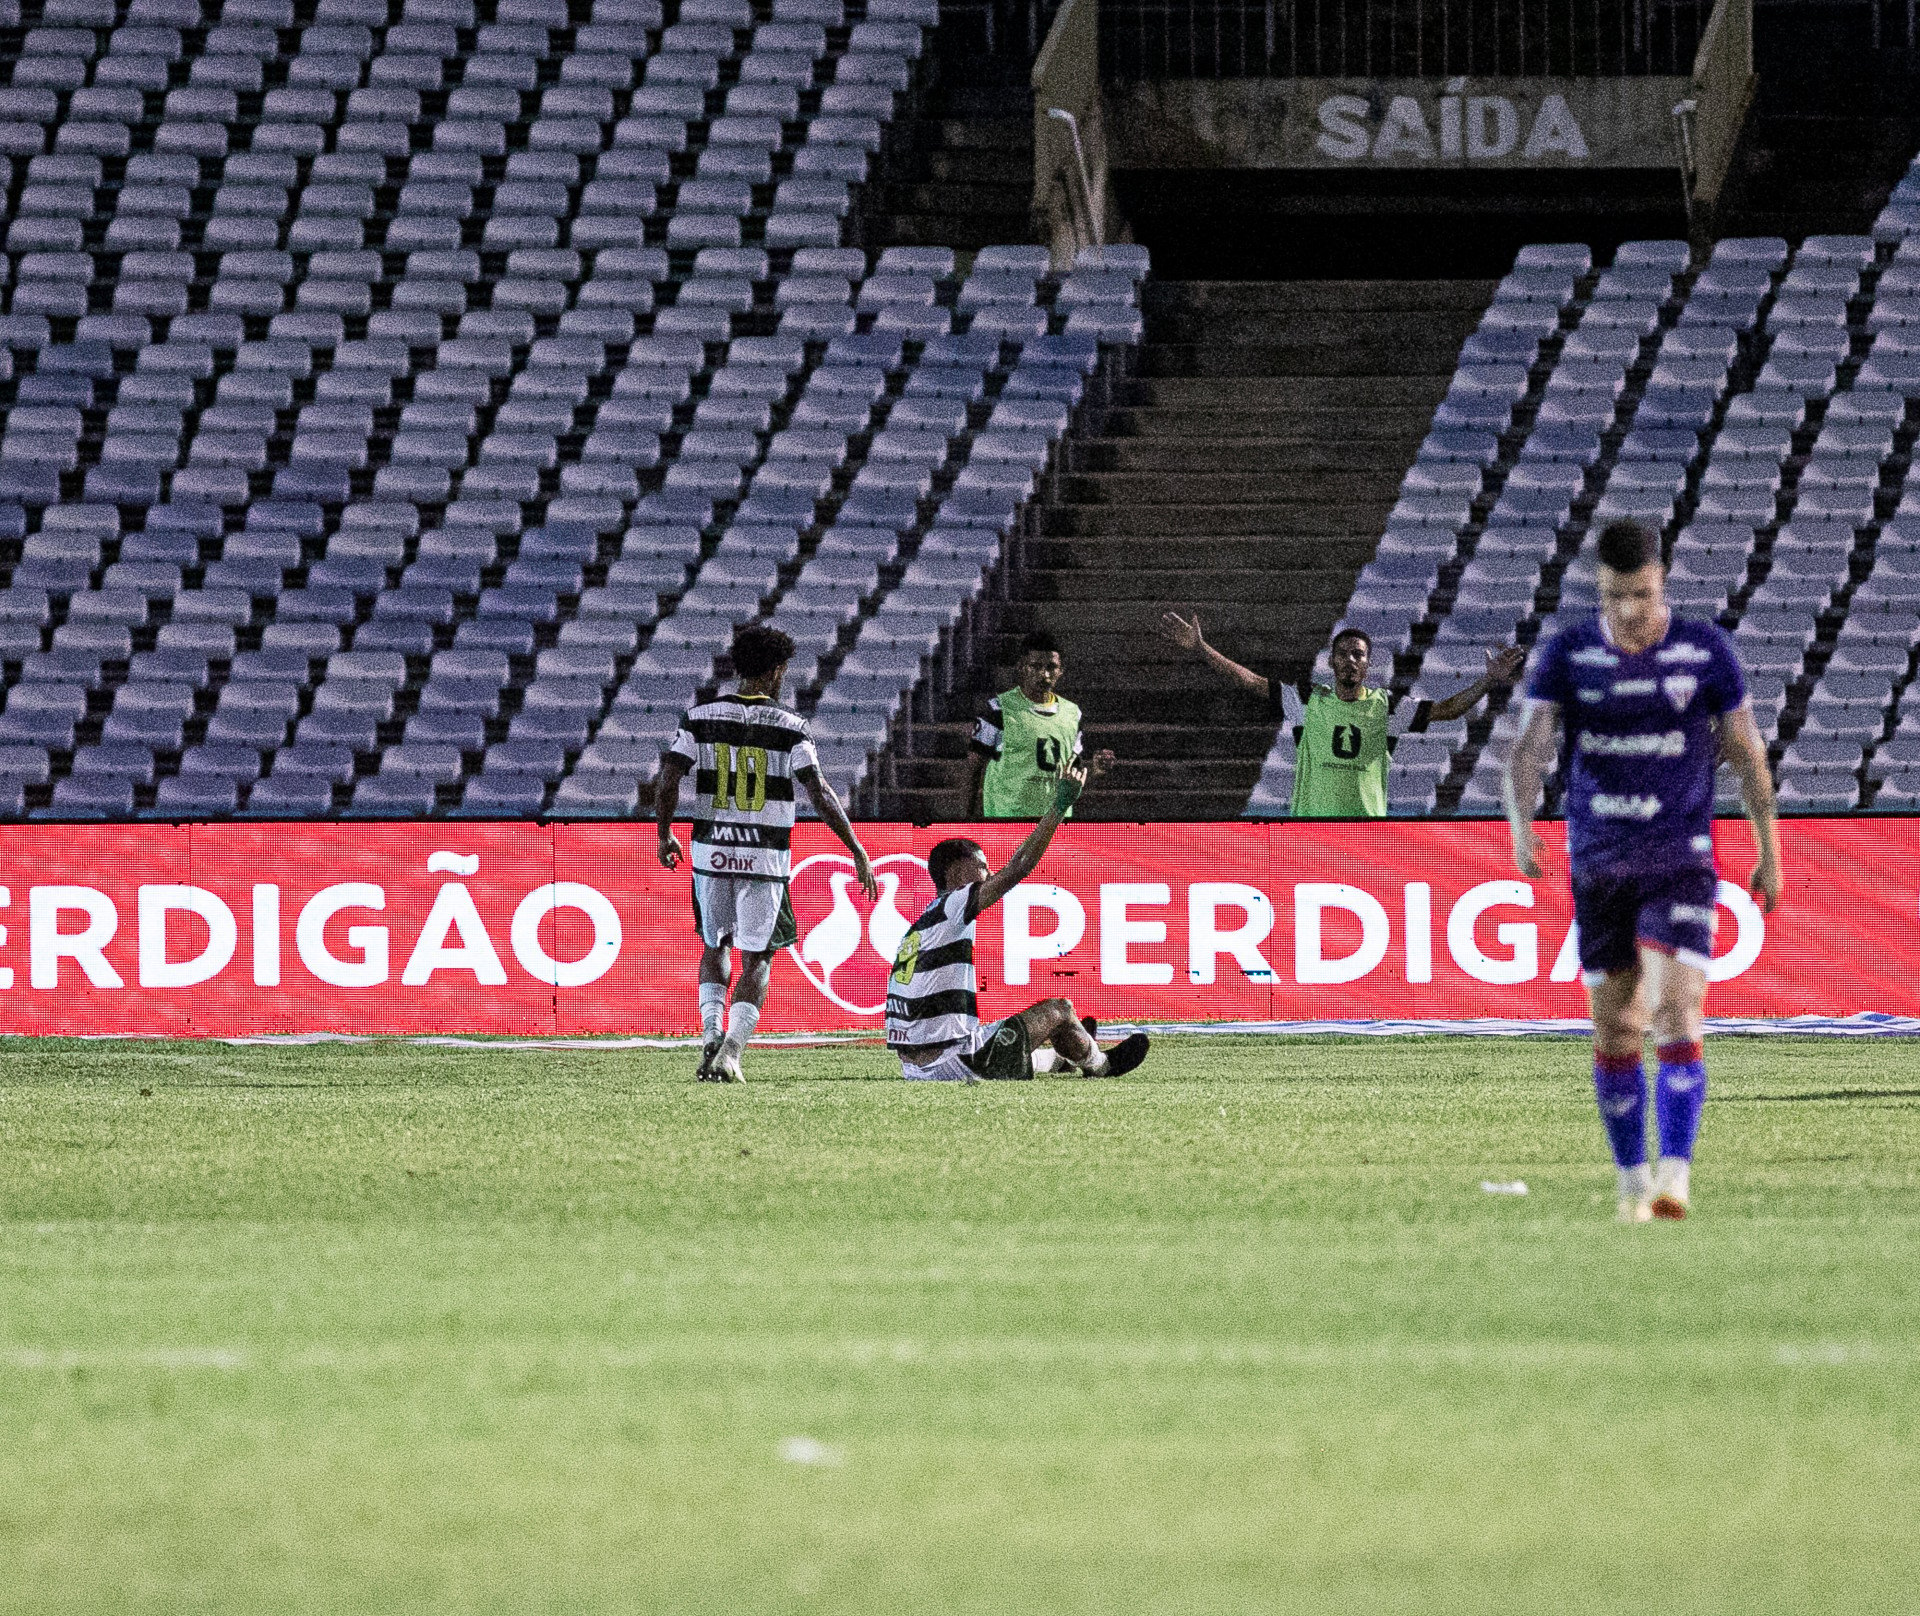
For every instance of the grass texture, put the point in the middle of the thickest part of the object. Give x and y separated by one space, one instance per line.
383 1327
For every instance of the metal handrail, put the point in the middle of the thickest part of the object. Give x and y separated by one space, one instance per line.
1086 180
1151 39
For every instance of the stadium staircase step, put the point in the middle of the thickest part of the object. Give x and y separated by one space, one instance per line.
1074 555
1227 451
1244 469
962 176
1800 173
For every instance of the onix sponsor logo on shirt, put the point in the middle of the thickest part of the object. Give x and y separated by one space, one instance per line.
847 946
1611 805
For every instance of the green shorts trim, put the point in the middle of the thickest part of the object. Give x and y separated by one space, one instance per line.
1006 1055
786 929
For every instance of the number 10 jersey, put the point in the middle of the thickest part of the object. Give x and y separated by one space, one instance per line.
743 752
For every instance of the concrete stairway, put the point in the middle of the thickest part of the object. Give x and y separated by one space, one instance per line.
1245 471
966 179
1802 174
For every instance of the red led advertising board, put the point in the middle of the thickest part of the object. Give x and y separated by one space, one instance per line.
233 929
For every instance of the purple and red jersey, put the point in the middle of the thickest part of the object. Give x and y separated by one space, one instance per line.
1641 743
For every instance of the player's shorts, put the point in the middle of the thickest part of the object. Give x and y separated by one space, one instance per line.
1005 1053
752 915
1672 913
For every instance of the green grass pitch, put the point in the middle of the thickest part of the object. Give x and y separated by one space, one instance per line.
389 1328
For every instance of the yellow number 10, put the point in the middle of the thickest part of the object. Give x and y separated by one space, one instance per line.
740 775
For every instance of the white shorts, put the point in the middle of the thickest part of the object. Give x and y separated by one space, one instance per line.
752 915
1002 1052
949 1068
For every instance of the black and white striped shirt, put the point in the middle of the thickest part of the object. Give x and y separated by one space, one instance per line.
744 752
931 996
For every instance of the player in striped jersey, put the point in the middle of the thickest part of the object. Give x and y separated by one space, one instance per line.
1346 730
747 753
933 1012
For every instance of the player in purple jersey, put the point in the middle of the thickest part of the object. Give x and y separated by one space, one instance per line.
1649 703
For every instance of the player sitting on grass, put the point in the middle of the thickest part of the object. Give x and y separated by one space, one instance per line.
746 753
933 1015
1649 702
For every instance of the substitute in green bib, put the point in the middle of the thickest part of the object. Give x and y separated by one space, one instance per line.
1026 737
1344 731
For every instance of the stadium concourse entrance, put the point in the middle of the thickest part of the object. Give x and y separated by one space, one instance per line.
1329 195
1226 174
1377 139
1243 471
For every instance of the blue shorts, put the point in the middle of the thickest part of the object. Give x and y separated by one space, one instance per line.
1618 915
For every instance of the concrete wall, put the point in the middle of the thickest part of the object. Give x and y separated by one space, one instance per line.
1360 125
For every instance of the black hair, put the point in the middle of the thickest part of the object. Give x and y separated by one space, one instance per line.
949 853
1359 634
759 649
1039 641
1627 545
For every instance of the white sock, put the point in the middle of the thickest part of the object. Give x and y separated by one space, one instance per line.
742 1018
1636 1183
1672 1175
1097 1065
713 1010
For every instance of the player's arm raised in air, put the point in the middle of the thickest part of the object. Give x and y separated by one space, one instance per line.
1026 858
1533 755
1745 750
1503 667
827 805
1185 633
666 802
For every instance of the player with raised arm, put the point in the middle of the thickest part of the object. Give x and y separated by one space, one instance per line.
1345 731
1649 702
746 752
933 1013
1024 739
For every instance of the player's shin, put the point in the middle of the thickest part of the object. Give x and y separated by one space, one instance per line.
1074 1043
741 1021
1680 1093
713 1011
1620 1086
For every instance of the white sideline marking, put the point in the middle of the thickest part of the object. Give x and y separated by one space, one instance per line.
445 1041
1492 1186
1864 1024
806 1450
1826 1355
227 1358
992 1351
